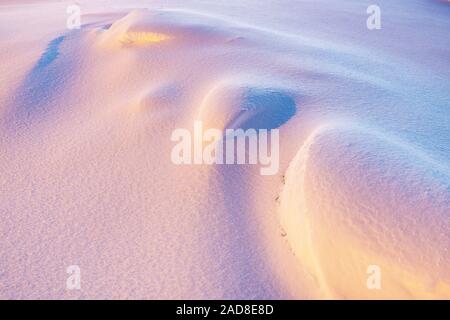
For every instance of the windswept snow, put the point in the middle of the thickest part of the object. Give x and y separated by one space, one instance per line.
86 176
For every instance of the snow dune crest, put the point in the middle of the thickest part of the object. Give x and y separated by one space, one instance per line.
86 175
353 199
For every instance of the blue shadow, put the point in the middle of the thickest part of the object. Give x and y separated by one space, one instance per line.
50 54
264 109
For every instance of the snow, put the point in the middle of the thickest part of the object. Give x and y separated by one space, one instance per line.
86 176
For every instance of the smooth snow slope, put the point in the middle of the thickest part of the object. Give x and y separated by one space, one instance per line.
86 177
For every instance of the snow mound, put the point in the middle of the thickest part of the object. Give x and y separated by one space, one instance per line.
234 104
144 28
355 198
159 98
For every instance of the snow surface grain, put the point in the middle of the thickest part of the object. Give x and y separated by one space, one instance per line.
86 178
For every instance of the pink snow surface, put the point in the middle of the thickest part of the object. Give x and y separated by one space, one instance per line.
86 177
